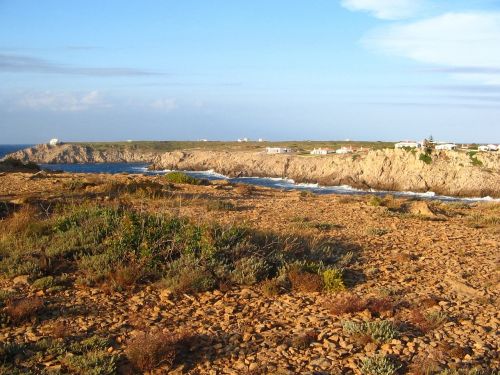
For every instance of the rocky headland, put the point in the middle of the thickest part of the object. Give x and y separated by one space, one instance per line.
444 172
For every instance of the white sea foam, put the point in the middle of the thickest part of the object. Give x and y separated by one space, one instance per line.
288 183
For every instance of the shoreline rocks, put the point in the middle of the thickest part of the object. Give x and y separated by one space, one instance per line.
449 173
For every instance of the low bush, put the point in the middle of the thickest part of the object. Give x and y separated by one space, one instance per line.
378 306
380 331
15 165
426 322
378 366
92 343
375 201
305 282
9 350
43 283
426 158
23 309
148 351
182 178
346 303
118 246
333 280
93 363
271 288
473 159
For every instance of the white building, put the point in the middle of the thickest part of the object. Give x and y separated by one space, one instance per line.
242 139
488 148
344 150
446 146
409 144
278 150
54 142
322 151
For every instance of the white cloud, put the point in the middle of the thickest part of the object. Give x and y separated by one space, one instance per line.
385 9
166 104
61 101
465 44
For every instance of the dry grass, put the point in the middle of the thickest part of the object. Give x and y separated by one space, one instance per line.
346 303
423 365
148 351
21 219
126 276
305 282
380 305
350 304
23 309
270 288
60 330
426 322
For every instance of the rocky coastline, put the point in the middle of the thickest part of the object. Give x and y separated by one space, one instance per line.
448 173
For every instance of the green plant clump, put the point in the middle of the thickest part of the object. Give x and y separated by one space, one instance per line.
333 280
473 159
382 331
182 178
426 158
378 366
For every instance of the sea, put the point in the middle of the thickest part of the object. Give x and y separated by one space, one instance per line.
275 183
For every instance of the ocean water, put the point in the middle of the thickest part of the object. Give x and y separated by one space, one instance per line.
276 183
7 149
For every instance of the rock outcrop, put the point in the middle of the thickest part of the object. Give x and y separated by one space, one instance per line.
73 153
449 173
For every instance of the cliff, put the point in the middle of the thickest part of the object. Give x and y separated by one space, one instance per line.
74 153
449 173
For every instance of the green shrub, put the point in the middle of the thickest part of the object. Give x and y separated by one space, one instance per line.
250 270
473 159
9 350
381 331
182 178
93 343
93 363
43 283
378 366
333 280
426 158
375 201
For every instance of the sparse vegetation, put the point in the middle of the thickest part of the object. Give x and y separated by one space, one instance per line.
379 331
108 260
148 351
333 280
427 321
378 366
220 205
426 158
473 159
23 309
182 178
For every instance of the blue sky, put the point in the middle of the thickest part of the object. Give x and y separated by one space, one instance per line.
281 69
